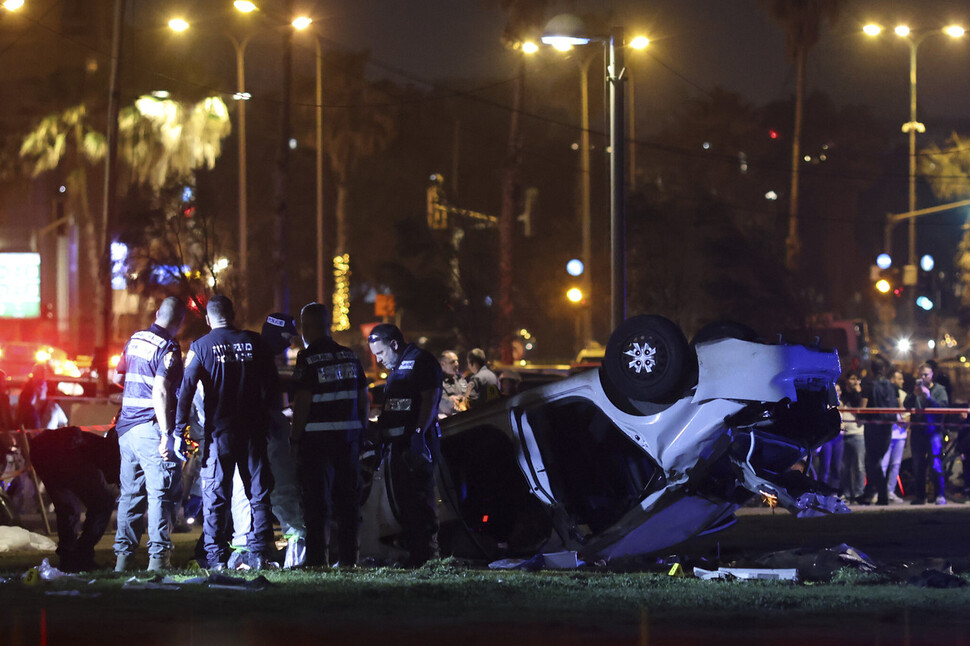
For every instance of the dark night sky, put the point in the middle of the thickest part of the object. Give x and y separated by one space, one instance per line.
696 45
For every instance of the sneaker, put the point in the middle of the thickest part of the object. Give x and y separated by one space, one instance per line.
159 563
295 552
246 561
893 498
124 562
941 500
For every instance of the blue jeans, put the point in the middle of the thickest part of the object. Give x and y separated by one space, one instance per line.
830 462
891 462
145 479
853 464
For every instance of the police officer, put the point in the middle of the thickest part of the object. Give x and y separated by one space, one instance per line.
278 331
329 414
409 423
239 383
482 384
76 468
151 367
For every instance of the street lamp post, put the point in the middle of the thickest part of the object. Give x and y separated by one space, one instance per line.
241 97
913 126
586 316
563 32
300 24
617 181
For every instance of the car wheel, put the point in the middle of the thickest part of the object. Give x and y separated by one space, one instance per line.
646 358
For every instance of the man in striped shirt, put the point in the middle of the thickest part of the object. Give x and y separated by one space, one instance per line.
329 414
151 367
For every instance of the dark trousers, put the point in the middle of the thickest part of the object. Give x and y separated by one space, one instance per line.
73 489
877 438
223 453
927 448
412 478
328 465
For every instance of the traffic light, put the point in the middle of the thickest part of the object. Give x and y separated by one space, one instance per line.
886 278
927 296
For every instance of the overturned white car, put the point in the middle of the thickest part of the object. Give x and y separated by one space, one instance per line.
662 443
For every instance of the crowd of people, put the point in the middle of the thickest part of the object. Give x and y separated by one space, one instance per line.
862 463
255 464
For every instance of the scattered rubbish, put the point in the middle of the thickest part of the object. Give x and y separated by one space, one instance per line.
936 579
49 573
747 573
812 504
817 564
562 560
157 583
551 561
222 582
18 539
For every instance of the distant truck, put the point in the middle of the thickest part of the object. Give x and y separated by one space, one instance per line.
850 337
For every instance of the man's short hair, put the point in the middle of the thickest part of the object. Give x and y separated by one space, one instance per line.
476 356
318 313
386 333
924 366
172 309
220 307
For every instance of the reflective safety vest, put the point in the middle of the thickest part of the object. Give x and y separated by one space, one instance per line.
144 358
334 376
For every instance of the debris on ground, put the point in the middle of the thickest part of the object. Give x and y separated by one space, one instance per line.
747 573
568 560
936 579
223 582
18 539
814 564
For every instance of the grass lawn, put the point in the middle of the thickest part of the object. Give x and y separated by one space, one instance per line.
449 602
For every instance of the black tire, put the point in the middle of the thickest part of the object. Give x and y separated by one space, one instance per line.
646 358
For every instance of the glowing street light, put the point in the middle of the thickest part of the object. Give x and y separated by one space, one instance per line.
565 31
245 6
13 5
883 286
178 25
530 47
574 295
301 24
640 42
915 39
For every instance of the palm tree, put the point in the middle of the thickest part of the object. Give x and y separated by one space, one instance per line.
359 123
159 140
69 138
802 22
